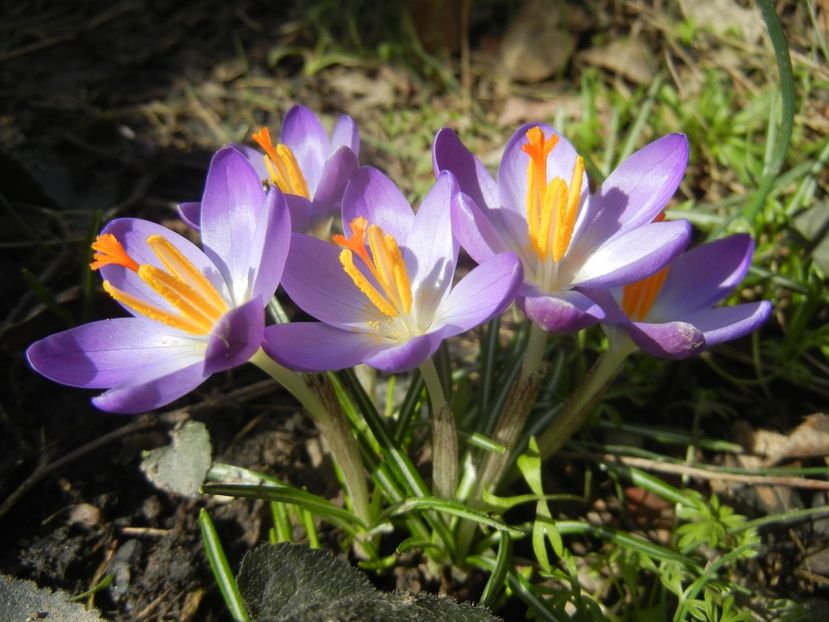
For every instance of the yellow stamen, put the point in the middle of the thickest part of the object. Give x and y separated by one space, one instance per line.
638 298
552 209
385 264
182 285
181 267
282 165
108 250
153 312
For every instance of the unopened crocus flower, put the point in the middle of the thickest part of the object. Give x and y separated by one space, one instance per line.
195 312
309 168
541 209
384 292
670 314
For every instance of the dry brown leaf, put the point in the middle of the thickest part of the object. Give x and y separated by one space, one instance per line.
725 16
519 110
808 440
627 57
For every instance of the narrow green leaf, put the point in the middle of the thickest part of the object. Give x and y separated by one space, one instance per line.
221 570
415 543
287 494
495 584
454 508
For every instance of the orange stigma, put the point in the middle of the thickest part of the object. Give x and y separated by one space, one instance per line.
108 250
552 207
281 164
199 306
385 265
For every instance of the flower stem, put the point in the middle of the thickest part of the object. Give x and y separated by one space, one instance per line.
334 428
580 405
444 435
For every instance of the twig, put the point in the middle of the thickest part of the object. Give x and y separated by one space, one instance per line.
696 472
141 423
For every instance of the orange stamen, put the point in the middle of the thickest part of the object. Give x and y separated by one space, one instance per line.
108 250
262 137
638 297
281 164
385 264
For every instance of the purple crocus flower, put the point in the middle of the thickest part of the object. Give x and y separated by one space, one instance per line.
309 168
669 314
196 312
540 209
384 294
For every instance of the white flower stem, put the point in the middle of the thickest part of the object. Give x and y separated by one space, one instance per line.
334 428
444 435
581 402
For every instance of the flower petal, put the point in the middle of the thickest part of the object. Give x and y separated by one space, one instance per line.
314 346
406 356
560 311
268 250
636 191
482 232
107 353
317 283
670 340
450 154
633 255
727 323
512 173
145 394
373 196
301 211
481 295
307 138
346 133
430 249
704 275
190 213
256 158
231 213
236 337
335 175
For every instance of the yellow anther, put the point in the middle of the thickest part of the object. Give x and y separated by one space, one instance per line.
552 208
180 295
181 267
385 265
154 313
282 165
108 250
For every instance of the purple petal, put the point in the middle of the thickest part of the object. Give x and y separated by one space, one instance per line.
190 213
560 311
335 175
268 250
727 323
133 233
231 214
431 251
303 133
512 173
346 133
314 346
107 353
475 229
633 255
301 211
481 295
256 158
671 340
450 154
316 282
373 196
236 337
637 190
704 275
145 394
400 358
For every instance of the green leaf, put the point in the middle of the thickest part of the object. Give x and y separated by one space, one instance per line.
221 570
454 508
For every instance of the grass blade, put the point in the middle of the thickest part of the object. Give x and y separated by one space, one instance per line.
221 570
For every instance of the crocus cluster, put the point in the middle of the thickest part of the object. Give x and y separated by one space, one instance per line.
384 290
